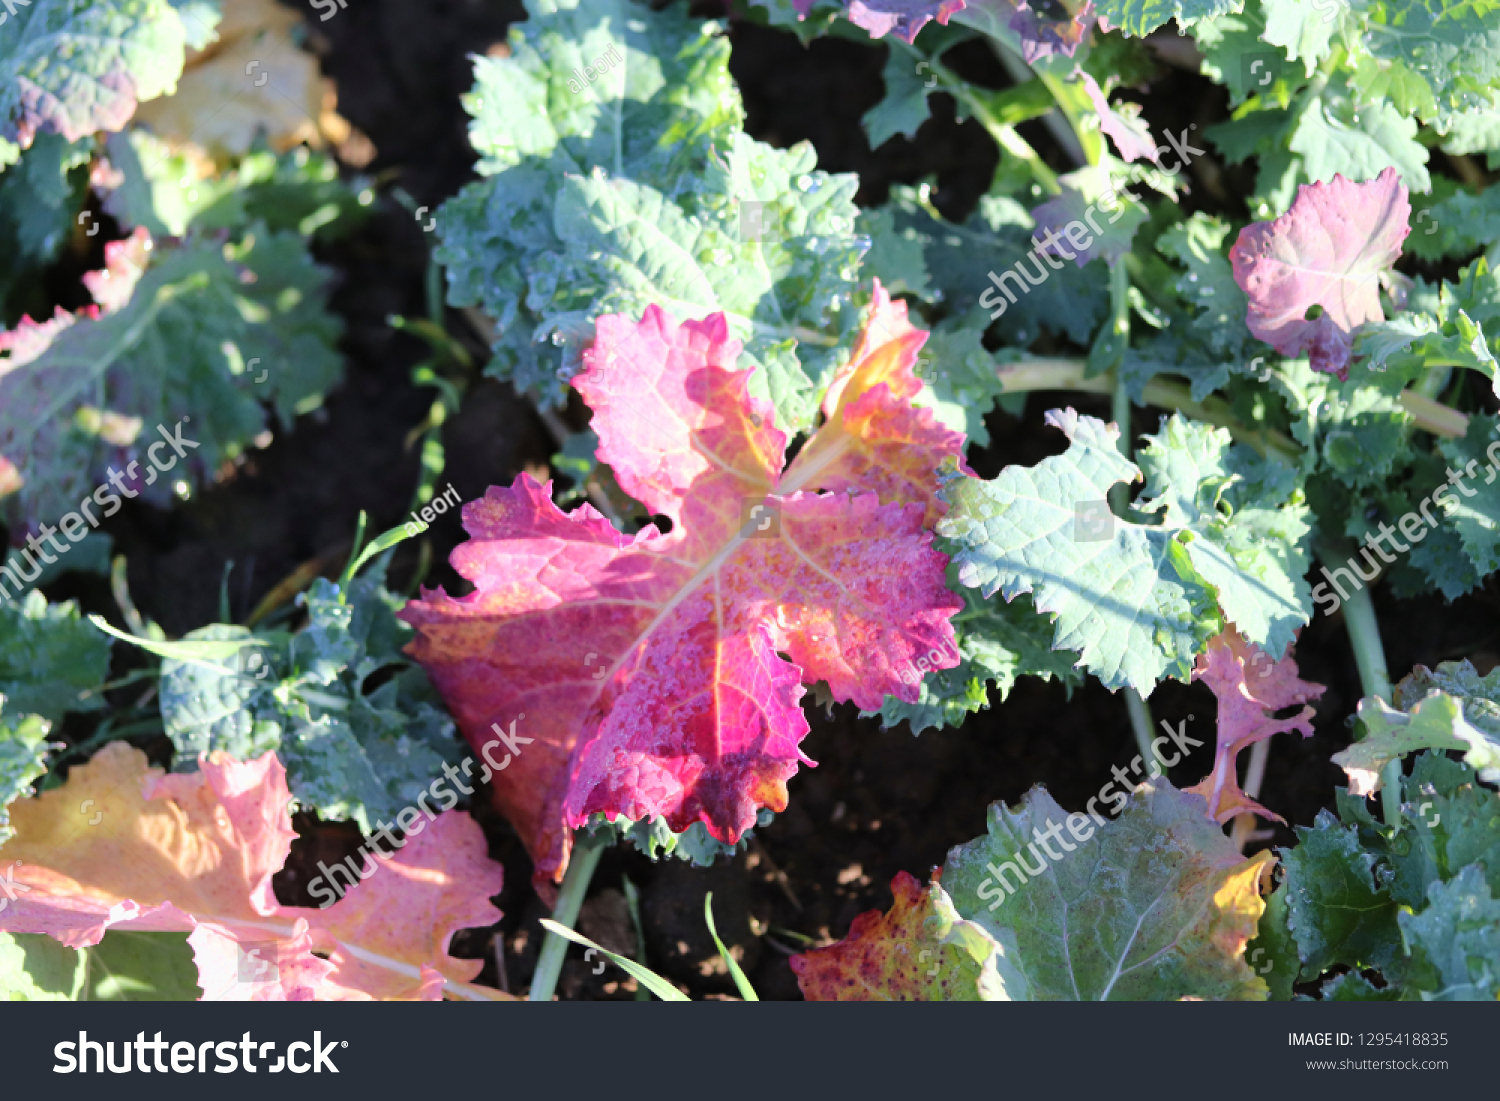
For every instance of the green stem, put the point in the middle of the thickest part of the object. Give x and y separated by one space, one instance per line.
1431 384
1062 120
1004 134
1140 722
1116 341
1369 656
1119 494
587 849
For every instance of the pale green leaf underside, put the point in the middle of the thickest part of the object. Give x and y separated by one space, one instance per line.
1139 602
1136 910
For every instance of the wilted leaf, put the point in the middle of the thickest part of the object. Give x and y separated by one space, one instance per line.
1251 688
253 78
899 956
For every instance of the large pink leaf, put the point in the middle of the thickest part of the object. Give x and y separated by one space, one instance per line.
195 852
1328 250
1251 688
660 674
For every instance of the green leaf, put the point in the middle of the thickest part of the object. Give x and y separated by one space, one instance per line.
998 642
245 324
962 378
1479 696
36 968
1087 195
1451 52
1209 287
1254 131
1358 434
643 975
1333 136
652 837
997 238
51 660
741 983
298 190
629 246
1306 31
1139 18
350 752
1476 516
1456 226
1138 601
1455 942
1273 952
125 966
895 256
1448 823
1434 722
1337 912
642 189
1472 131
23 757
903 108
38 200
1156 904
71 67
1236 55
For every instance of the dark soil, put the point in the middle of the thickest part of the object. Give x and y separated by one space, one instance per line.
879 801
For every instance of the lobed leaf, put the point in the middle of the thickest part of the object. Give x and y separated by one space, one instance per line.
1251 688
908 954
72 67
1327 251
1138 601
648 670
195 853
1156 904
349 752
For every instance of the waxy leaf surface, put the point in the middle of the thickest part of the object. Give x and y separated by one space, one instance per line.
71 67
1139 601
646 672
1156 904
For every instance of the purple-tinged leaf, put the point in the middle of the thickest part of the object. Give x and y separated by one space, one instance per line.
1329 250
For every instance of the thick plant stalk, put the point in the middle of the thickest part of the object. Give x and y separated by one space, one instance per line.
1260 752
1005 135
1140 723
1060 120
1369 656
1119 495
587 849
1070 374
